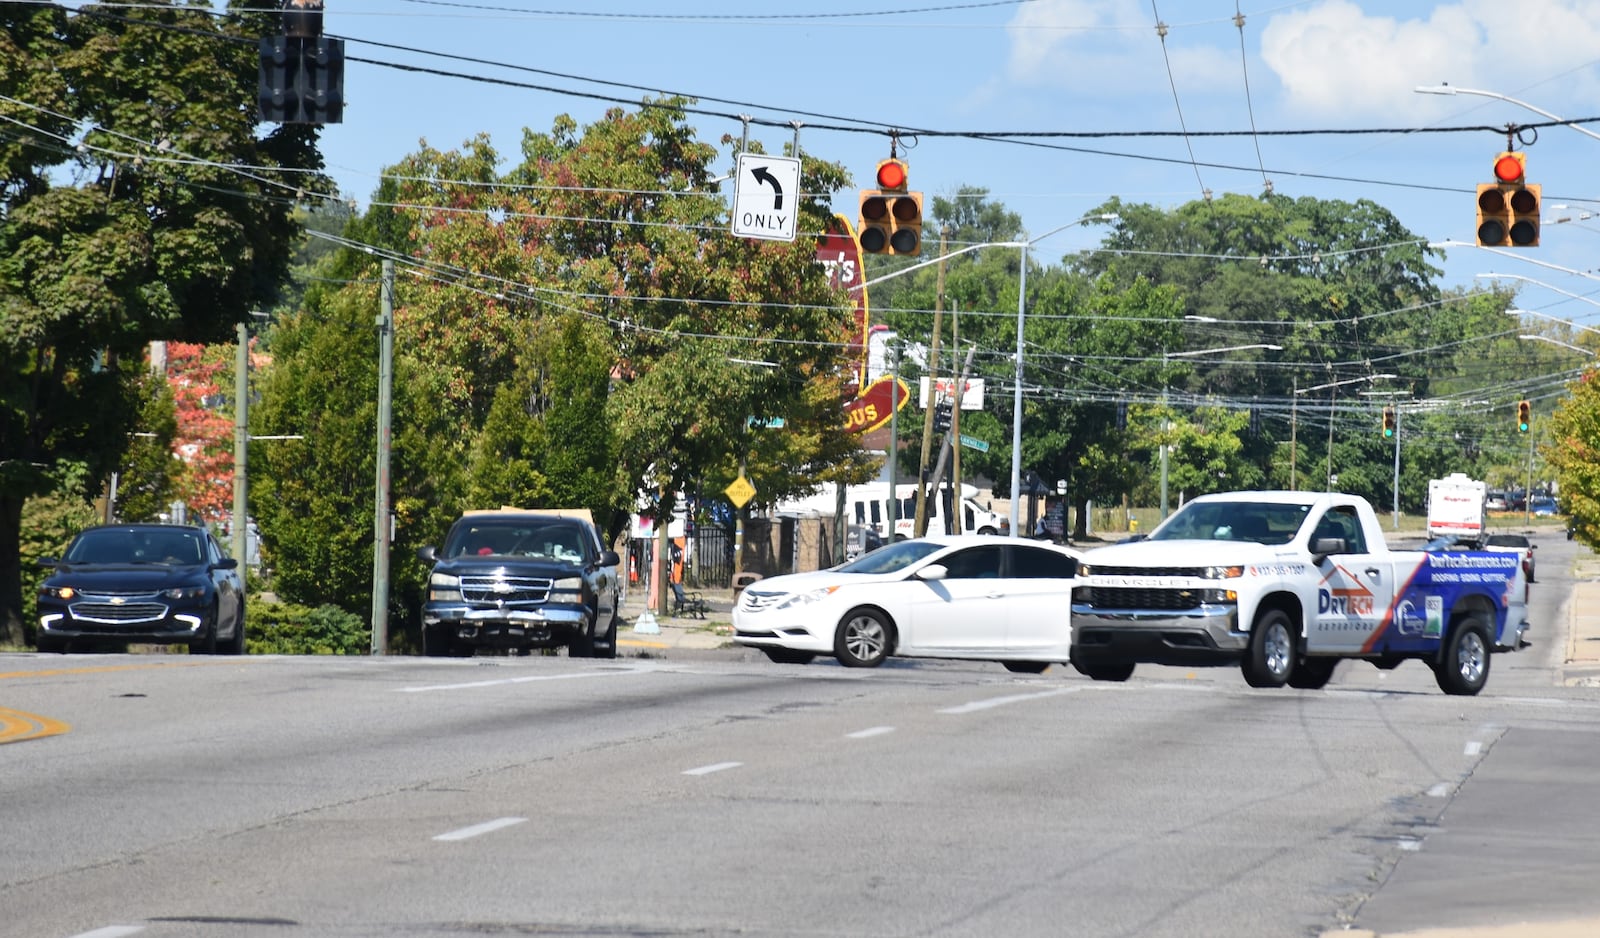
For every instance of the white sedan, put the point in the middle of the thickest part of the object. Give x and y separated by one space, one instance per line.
953 596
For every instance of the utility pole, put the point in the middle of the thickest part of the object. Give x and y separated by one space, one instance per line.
955 422
944 452
241 446
933 397
380 515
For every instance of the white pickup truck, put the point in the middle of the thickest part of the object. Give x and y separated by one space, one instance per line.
1285 585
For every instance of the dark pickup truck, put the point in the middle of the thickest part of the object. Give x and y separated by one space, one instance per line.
519 579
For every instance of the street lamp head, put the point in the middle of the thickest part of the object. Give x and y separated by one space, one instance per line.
1434 89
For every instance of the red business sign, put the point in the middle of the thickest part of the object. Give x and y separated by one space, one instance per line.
840 254
876 405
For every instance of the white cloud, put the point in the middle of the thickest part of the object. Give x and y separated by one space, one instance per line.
1336 60
1055 36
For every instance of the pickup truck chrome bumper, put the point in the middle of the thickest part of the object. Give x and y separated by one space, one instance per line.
1204 635
495 626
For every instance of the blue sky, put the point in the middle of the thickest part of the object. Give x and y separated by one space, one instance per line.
1044 66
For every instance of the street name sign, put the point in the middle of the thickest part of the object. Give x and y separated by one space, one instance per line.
766 197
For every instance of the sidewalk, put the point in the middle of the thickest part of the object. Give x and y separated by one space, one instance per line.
1582 667
681 632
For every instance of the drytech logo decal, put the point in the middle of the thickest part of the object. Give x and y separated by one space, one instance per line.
1352 599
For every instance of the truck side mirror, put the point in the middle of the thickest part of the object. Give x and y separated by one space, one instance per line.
426 554
1323 546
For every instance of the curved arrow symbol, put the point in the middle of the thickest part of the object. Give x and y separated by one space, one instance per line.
761 175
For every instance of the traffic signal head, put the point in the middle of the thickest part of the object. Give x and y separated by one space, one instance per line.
1524 416
1388 423
278 79
1508 208
941 416
891 217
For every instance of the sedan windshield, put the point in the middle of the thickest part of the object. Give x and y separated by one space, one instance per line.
888 559
132 545
1234 521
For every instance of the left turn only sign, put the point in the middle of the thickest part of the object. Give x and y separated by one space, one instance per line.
766 197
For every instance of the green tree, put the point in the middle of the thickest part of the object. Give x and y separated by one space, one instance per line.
121 221
1573 453
148 479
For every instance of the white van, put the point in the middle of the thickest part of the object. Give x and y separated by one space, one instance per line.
869 505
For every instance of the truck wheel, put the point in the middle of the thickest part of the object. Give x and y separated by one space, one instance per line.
437 642
1120 671
862 639
1270 659
1026 667
582 644
1312 673
607 646
1465 667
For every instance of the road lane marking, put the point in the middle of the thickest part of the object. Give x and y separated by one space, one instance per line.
470 685
112 931
870 732
16 726
108 668
476 830
713 767
1440 790
977 705
1473 748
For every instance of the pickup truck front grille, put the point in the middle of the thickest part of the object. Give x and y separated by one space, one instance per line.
507 590
1149 571
1099 597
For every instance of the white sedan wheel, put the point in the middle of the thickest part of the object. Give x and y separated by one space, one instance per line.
862 640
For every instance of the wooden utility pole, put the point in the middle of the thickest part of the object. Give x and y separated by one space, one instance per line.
933 397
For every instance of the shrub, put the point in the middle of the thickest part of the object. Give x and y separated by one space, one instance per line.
293 629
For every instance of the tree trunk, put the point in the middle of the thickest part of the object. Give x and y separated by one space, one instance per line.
1080 525
12 628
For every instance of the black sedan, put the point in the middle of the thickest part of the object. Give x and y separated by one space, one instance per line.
155 583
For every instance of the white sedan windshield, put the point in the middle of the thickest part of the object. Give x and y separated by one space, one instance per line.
888 559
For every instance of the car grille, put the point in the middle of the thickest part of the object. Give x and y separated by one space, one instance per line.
114 612
1099 597
506 590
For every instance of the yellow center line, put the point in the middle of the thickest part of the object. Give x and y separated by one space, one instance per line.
102 669
16 726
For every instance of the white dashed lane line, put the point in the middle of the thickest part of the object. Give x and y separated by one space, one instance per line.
1440 790
977 705
466 833
870 732
1473 748
713 767
111 931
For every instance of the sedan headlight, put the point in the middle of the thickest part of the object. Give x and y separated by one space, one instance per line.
57 592
444 588
810 596
184 592
1222 573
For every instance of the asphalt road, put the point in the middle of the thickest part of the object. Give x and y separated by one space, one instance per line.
715 793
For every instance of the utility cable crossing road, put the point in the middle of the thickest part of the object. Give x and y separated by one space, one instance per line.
718 793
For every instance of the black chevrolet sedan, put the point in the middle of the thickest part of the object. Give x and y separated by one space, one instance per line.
156 583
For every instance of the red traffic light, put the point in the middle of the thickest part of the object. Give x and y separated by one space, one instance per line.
891 175
1510 167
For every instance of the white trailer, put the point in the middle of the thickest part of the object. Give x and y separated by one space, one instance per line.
1458 506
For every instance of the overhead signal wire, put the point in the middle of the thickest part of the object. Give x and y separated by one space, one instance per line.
1249 104
1172 82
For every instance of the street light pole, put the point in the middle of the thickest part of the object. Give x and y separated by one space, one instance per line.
1452 90
1016 397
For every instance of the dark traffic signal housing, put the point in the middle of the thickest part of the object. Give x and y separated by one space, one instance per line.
1524 416
301 80
1389 423
891 217
1508 208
